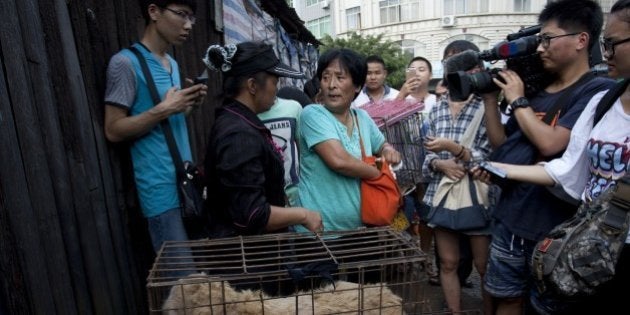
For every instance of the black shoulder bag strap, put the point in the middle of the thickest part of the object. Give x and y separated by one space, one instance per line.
609 99
562 100
166 127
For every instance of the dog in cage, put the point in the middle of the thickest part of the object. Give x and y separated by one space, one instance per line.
198 294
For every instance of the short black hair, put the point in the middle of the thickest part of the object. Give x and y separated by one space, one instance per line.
419 58
575 16
144 5
619 6
293 93
349 60
375 59
311 87
458 46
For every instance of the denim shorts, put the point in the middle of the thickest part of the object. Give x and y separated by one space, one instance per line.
509 266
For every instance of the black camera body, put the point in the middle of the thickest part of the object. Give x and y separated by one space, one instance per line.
519 53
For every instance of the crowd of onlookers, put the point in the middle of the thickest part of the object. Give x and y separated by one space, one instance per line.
291 159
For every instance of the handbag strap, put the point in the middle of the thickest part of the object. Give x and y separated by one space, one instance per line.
468 138
356 122
166 128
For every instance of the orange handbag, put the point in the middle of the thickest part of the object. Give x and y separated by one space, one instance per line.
380 197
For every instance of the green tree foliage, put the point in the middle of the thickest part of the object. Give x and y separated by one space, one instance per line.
395 60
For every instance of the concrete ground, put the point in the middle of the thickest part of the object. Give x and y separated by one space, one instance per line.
433 297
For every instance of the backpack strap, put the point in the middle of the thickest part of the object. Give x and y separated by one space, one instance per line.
166 127
564 98
609 99
619 205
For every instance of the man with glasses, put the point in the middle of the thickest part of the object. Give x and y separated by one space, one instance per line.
609 45
131 115
526 213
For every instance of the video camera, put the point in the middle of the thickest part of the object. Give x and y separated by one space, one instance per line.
519 51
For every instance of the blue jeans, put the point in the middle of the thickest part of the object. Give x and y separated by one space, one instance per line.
167 226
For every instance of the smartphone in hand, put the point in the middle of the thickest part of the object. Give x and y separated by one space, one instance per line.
202 78
410 73
494 171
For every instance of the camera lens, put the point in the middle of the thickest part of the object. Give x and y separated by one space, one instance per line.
482 81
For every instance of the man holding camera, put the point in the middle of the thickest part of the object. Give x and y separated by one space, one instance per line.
130 114
526 213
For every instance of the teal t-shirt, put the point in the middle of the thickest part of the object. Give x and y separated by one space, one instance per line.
153 166
336 196
282 120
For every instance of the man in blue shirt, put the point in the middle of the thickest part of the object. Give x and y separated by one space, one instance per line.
526 213
130 114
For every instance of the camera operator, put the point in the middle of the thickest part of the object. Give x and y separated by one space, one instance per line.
525 212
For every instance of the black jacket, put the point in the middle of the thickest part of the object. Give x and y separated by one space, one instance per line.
244 172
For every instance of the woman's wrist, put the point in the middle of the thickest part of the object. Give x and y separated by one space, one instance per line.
459 151
434 164
461 154
304 216
386 146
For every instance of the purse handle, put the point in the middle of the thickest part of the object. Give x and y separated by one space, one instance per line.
356 122
468 137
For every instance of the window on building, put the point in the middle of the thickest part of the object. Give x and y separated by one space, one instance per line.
466 6
354 18
319 27
410 10
522 6
393 11
312 2
412 47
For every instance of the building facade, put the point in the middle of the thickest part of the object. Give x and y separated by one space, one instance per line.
423 27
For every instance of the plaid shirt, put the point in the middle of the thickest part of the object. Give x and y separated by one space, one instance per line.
442 125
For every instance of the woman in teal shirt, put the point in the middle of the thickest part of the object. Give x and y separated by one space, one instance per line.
331 168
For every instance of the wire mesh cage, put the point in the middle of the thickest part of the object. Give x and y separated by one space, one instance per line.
401 122
406 135
368 271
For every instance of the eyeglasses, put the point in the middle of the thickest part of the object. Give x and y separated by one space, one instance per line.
609 45
183 14
545 40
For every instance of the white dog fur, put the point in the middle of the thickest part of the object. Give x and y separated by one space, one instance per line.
344 297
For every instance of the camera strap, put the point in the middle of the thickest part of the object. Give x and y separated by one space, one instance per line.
554 112
166 127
